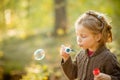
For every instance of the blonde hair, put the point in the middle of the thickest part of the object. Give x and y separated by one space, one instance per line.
97 23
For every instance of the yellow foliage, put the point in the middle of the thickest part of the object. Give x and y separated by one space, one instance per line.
1 54
60 31
23 35
45 78
36 72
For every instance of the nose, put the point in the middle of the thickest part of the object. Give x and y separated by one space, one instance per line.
78 39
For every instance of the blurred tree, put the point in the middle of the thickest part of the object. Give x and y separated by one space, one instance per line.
60 17
28 8
2 16
116 6
116 19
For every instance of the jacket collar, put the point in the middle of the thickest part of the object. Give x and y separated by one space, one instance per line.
98 51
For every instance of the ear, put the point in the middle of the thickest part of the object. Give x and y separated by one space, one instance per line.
98 37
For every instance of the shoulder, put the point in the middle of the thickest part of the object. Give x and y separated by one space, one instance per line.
111 57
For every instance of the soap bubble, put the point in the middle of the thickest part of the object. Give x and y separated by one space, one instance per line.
39 54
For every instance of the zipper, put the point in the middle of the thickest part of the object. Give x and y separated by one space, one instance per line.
85 69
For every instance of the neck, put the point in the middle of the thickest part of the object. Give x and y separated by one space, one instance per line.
95 48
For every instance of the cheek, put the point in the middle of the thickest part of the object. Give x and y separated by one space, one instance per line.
87 41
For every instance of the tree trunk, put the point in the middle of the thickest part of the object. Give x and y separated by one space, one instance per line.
60 18
28 9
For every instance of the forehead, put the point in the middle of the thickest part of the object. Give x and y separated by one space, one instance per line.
80 29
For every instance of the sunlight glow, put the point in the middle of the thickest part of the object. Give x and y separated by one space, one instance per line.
8 16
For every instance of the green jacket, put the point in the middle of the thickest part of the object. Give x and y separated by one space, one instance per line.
83 66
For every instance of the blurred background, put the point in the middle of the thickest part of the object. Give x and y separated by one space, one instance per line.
27 25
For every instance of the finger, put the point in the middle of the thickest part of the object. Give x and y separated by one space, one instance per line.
62 46
62 49
99 77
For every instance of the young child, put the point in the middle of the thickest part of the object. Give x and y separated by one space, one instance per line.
93 31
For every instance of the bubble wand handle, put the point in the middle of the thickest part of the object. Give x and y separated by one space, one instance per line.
96 71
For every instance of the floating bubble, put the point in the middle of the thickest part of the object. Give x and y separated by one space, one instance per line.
39 54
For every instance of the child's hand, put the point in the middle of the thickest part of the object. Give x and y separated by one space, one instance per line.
102 76
64 55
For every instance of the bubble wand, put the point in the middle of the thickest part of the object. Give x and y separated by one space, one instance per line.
68 50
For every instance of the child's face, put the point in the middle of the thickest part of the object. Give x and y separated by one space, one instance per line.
85 38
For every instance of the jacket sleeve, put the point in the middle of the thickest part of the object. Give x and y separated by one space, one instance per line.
69 68
113 68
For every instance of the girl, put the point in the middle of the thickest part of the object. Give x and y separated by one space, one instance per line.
92 31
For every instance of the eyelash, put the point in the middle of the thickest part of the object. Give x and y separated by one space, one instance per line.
82 36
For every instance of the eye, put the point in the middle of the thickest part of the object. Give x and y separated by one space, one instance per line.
83 36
